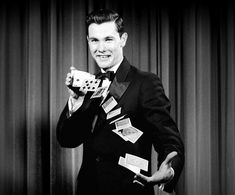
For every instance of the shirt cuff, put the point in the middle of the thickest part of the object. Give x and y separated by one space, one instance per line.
74 104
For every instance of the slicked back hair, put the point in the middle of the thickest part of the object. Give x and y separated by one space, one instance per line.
105 15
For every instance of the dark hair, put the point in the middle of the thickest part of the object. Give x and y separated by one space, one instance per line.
105 15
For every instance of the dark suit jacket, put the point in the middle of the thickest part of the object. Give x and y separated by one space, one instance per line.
141 97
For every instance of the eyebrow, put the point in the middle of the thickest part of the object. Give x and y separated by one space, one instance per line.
108 37
90 38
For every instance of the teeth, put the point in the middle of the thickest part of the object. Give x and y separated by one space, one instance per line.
103 57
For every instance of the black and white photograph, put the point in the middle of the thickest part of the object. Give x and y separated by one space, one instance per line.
117 97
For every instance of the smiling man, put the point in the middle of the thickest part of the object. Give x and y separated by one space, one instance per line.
118 129
106 44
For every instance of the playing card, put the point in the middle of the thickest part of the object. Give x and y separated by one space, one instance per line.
122 162
99 92
114 113
137 161
128 131
90 84
109 104
120 134
131 133
80 76
123 124
117 119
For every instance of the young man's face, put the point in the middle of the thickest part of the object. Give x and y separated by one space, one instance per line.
106 46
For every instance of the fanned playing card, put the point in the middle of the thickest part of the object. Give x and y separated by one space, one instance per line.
99 92
122 124
79 77
137 161
132 134
122 162
109 104
90 84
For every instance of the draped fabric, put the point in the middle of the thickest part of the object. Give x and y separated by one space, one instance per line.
191 46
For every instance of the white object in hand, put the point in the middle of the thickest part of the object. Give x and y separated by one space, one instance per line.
79 77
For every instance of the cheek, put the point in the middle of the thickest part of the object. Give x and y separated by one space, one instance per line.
92 48
113 47
117 49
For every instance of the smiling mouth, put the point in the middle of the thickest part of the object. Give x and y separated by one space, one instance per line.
103 57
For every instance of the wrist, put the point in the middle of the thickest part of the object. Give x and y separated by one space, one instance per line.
169 178
74 103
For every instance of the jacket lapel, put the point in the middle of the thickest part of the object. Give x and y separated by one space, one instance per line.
116 89
120 84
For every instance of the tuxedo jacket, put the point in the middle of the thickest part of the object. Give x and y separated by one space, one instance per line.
141 97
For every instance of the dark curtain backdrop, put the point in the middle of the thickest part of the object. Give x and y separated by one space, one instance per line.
190 45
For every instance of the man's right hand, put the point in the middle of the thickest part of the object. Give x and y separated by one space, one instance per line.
76 96
74 92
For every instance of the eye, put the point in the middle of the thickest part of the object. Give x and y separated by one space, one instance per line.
93 40
109 39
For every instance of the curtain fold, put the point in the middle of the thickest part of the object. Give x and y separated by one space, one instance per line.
191 46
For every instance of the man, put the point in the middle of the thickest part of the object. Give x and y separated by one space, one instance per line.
138 101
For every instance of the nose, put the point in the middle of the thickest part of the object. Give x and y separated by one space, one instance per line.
101 47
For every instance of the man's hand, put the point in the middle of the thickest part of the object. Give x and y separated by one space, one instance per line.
163 175
74 92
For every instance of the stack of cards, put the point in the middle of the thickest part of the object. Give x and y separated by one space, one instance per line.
133 163
84 80
90 84
79 77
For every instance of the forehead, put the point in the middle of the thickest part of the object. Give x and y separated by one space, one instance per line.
102 30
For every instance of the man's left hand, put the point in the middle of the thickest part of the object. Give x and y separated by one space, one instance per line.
163 175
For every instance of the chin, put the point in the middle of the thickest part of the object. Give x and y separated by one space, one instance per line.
104 65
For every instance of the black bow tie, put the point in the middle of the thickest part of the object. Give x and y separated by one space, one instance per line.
109 74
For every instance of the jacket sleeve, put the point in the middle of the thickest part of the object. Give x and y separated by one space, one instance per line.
71 131
164 132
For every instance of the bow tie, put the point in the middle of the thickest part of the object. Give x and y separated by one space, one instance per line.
109 74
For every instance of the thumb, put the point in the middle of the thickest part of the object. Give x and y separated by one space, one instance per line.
72 68
170 157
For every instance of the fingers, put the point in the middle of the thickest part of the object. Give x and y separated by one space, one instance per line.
72 93
137 182
141 179
69 79
72 68
170 157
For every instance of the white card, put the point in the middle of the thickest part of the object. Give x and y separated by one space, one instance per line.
132 134
137 161
122 162
99 92
90 84
114 113
117 119
109 104
120 134
122 124
80 76
128 131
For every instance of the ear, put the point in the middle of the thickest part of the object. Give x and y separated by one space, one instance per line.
124 39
